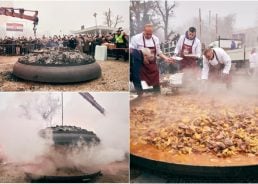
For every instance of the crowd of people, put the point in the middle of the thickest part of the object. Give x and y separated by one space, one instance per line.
83 42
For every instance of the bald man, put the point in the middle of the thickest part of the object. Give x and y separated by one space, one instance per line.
148 70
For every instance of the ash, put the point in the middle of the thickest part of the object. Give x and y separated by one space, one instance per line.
70 135
57 57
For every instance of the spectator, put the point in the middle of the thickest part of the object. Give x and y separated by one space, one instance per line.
120 42
84 43
233 45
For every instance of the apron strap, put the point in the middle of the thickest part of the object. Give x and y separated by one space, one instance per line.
220 64
216 55
144 44
184 42
155 49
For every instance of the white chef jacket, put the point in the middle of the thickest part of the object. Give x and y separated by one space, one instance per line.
136 42
253 59
223 58
196 49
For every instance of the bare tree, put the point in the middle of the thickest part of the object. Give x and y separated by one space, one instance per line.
46 106
226 25
118 20
49 107
165 10
108 20
112 21
141 13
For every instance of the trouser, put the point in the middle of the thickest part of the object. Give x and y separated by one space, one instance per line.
135 65
121 51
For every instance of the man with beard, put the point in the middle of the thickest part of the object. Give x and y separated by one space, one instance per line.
189 48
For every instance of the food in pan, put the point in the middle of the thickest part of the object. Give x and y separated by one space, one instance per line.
186 125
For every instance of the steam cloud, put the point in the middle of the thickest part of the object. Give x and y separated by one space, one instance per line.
27 113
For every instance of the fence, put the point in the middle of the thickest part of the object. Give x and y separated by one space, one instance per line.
168 47
18 49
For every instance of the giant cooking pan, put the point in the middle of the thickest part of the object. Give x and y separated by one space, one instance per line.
181 170
83 178
57 73
233 173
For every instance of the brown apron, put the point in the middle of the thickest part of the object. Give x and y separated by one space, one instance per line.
215 72
149 72
187 62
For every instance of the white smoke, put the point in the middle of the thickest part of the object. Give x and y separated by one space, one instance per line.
21 121
112 129
19 136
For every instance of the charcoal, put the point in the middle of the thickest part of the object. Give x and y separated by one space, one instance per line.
57 57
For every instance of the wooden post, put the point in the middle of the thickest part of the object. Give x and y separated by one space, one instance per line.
62 109
209 19
200 21
244 56
209 28
219 40
216 25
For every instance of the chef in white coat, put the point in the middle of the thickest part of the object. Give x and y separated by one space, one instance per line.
149 71
216 66
189 48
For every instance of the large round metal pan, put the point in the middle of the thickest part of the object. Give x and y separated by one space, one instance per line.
176 169
57 74
248 171
84 178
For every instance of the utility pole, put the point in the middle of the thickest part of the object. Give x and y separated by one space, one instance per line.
200 22
216 25
62 109
209 19
210 35
95 15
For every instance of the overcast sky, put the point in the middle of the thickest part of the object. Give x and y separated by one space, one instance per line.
246 11
61 17
77 111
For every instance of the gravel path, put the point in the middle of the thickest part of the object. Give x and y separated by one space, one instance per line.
115 77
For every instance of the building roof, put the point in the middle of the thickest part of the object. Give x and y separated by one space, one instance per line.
95 28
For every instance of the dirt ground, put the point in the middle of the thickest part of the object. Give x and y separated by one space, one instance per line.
115 77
